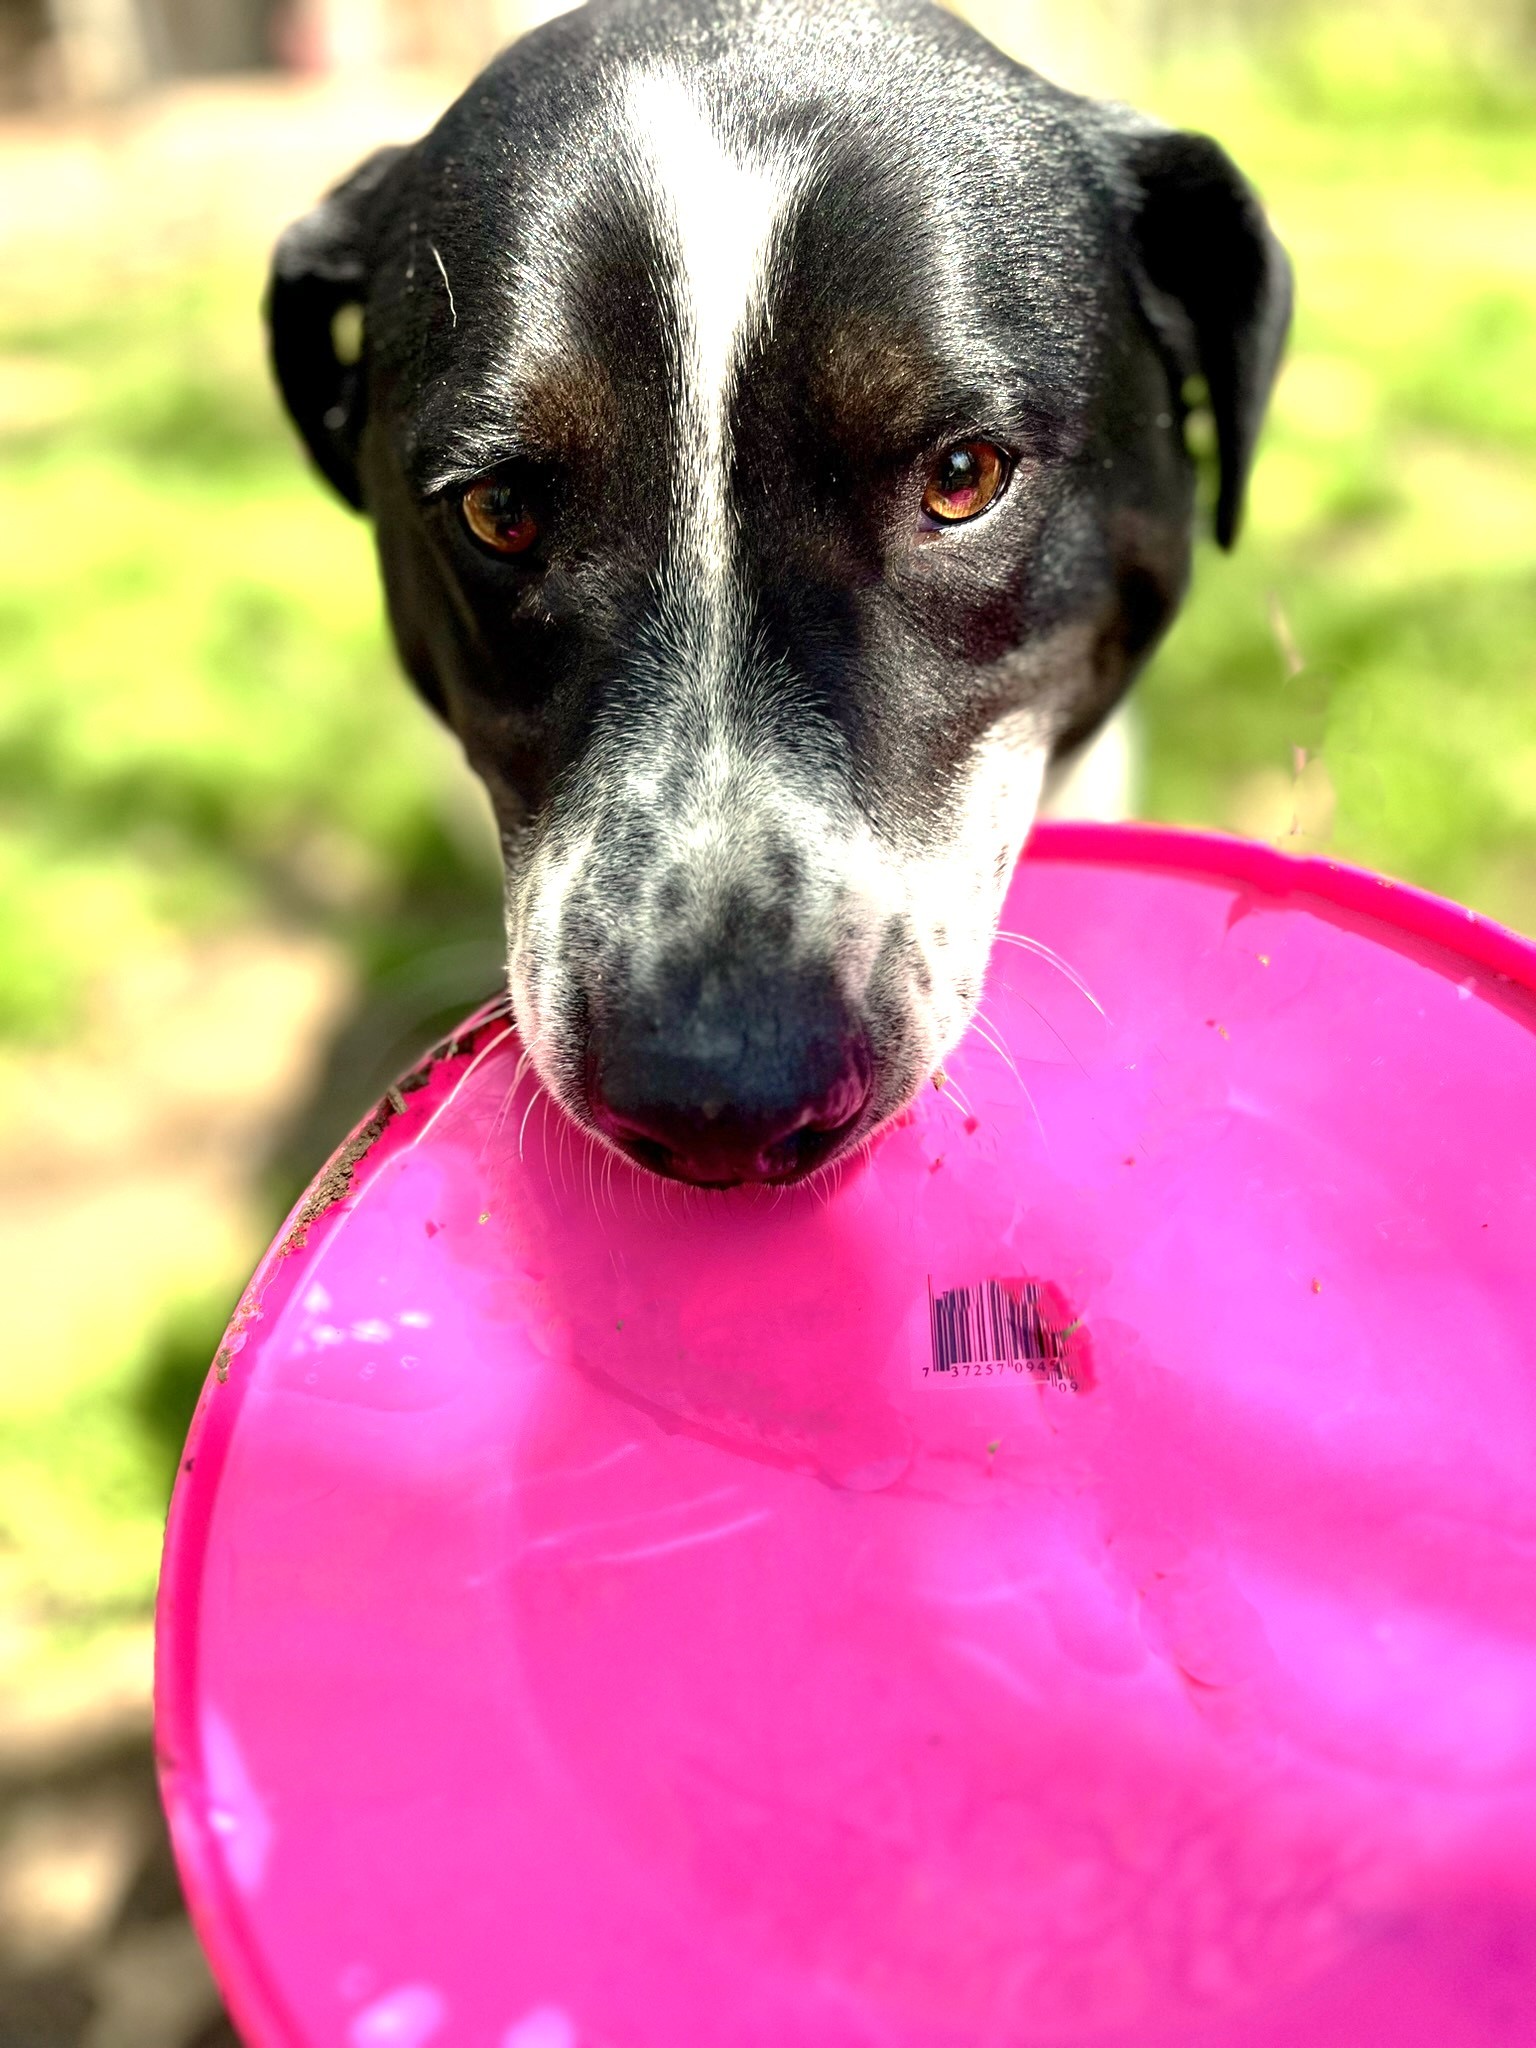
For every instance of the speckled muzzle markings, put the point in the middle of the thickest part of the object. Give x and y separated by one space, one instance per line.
675 325
698 918
716 917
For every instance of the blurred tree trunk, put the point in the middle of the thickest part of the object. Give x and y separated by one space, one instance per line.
24 45
103 48
109 49
195 36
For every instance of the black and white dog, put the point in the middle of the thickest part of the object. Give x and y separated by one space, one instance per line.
772 416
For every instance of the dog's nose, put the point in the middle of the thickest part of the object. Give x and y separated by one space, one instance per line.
737 1084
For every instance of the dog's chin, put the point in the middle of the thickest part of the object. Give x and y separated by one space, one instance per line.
792 1160
804 1157
716 1146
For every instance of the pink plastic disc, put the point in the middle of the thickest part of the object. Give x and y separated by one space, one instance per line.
1071 1581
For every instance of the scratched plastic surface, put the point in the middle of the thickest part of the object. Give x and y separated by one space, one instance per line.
587 1625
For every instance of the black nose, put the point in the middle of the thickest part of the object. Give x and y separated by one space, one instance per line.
720 1079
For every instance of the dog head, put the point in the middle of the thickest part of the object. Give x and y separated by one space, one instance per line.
772 418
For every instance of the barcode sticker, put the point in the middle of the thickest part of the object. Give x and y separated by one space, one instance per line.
1002 1326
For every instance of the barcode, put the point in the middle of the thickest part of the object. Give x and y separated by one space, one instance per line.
998 1326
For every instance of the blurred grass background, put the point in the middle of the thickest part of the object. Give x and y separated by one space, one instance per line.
242 878
203 738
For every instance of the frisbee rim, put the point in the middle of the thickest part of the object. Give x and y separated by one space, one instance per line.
1374 905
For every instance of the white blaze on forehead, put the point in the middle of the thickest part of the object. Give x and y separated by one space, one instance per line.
721 209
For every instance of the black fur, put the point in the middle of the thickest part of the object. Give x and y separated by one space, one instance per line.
965 250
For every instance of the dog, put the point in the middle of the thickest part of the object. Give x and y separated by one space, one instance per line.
772 418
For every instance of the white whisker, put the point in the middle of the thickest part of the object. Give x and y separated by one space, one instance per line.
508 1099
453 1094
1053 959
952 1088
485 1052
989 1035
536 1097
544 1134
995 1042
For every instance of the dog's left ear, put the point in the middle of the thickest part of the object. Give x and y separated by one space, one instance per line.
1215 284
321 265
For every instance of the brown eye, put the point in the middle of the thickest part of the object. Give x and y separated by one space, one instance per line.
964 481
497 514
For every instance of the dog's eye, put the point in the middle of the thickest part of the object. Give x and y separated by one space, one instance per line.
964 481
497 514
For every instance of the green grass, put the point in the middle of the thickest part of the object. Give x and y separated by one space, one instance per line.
201 728
1394 505
201 718
201 724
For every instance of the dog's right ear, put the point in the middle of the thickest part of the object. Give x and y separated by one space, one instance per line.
322 265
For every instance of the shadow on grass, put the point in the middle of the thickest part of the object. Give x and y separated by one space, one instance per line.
138 1979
